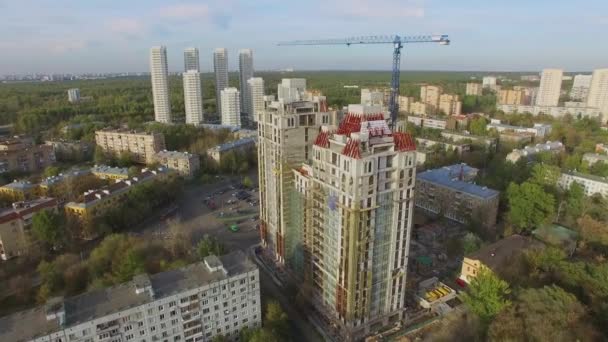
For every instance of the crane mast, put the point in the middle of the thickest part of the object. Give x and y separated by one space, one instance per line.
397 42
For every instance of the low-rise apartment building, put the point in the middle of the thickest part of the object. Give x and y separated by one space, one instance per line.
71 150
474 89
458 147
217 152
512 97
18 190
15 223
592 158
186 164
450 104
449 192
428 122
530 152
555 111
490 142
539 129
592 184
22 155
143 146
110 172
218 296
517 138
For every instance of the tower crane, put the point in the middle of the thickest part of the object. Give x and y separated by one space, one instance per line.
397 41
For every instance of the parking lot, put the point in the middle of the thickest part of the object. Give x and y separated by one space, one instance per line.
221 209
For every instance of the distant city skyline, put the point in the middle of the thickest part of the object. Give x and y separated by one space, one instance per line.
68 36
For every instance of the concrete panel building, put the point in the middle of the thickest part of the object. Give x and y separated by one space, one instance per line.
538 129
450 104
419 108
372 97
15 224
512 97
21 154
74 95
256 94
245 73
186 164
474 89
191 59
220 68
350 222
550 87
231 108
580 87
450 192
193 97
489 82
242 145
530 152
218 296
598 91
592 184
592 158
404 103
291 90
143 146
430 95
160 84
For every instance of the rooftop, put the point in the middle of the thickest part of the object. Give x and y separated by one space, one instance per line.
454 177
233 144
24 208
498 255
588 176
548 146
110 170
19 185
125 131
63 176
174 154
99 303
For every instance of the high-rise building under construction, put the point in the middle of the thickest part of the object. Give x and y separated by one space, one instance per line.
341 219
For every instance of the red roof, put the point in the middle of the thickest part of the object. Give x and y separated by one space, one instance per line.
322 139
352 149
404 142
352 122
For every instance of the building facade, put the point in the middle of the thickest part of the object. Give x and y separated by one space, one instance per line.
550 87
193 97
450 104
191 59
15 223
291 89
143 146
590 183
598 91
242 145
489 82
372 97
428 122
530 152
474 89
231 108
159 72
430 95
220 68
74 95
245 73
539 129
186 164
511 97
218 296
256 94
21 154
580 87
450 192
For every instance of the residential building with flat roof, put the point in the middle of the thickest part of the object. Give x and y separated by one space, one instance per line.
217 296
539 129
21 154
598 91
465 136
489 82
577 111
475 89
450 104
185 163
450 192
220 68
15 224
231 108
256 94
18 190
592 158
430 95
530 152
550 87
592 184
191 59
217 152
74 95
193 97
143 146
159 73
580 87
372 97
447 145
428 121
419 108
245 73
511 97
348 226
110 172
405 103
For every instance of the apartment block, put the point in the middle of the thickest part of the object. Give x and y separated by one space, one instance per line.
512 97
350 221
256 94
372 97
419 108
476 139
538 129
220 68
428 122
450 192
580 87
530 152
109 172
231 107
430 95
186 164
72 150
143 146
193 97
592 184
598 91
242 145
159 72
450 104
489 82
218 296
245 73
286 132
191 59
550 87
22 155
18 190
404 103
15 223
447 145
74 95
474 89
592 158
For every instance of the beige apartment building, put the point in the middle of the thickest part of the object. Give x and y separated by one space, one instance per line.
351 221
142 145
450 104
21 154
404 103
430 95
186 164
419 108
15 223
286 131
450 192
512 97
475 89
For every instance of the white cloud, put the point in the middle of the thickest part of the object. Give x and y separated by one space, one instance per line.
186 11
127 26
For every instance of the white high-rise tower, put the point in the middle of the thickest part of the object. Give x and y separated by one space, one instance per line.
231 109
550 87
598 92
160 84
255 86
191 60
193 97
220 67
245 73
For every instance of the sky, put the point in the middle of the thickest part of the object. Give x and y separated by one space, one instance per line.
68 36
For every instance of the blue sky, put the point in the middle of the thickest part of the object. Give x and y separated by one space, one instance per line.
109 35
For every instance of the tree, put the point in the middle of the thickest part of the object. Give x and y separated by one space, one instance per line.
544 314
545 175
51 171
486 295
276 320
529 205
575 200
48 227
219 338
125 159
100 157
593 231
478 126
470 243
247 182
210 246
